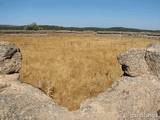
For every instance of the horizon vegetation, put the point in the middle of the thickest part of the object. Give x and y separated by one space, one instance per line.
34 26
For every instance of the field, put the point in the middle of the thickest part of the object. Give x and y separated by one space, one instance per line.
71 69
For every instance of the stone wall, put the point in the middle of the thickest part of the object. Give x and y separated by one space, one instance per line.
31 33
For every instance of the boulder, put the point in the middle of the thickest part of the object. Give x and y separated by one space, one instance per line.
127 98
10 58
153 58
133 62
21 101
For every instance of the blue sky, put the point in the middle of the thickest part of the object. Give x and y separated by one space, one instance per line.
142 14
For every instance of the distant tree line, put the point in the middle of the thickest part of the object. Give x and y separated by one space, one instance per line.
10 27
34 26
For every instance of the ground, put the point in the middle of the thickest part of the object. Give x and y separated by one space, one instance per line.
71 69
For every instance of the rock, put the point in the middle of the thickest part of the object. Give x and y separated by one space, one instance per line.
21 101
128 98
133 62
153 58
10 58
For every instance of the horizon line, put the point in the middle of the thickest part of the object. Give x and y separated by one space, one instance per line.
81 27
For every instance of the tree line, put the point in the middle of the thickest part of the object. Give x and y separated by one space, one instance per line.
34 26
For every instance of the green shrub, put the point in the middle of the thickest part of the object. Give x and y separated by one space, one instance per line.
32 26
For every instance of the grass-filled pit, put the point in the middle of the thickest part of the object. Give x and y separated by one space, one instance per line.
71 69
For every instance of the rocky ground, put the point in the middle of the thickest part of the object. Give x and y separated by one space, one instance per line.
136 95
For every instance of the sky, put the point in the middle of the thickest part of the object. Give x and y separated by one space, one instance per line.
141 14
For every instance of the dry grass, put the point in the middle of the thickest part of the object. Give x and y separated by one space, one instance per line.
72 68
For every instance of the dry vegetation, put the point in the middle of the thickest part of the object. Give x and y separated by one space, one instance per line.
72 68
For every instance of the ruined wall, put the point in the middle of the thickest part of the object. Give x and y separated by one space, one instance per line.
32 33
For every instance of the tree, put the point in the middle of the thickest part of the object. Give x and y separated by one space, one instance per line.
32 26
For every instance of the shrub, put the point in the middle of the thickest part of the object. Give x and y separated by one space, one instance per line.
32 26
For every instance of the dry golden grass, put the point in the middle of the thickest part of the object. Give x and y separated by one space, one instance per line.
72 68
